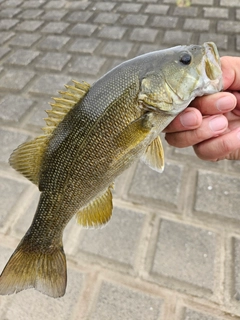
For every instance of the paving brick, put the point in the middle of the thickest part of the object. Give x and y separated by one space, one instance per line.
49 84
236 269
84 45
54 61
145 48
112 32
24 306
196 24
22 57
157 9
9 12
117 49
203 2
5 36
55 15
55 27
135 19
217 194
129 7
87 65
221 40
81 5
39 111
7 24
5 255
56 4
228 26
177 37
124 230
105 17
24 40
79 16
3 52
186 11
215 12
149 186
82 29
238 43
111 304
195 315
10 190
238 14
29 25
143 34
30 14
164 22
9 141
55 42
16 79
12 3
229 3
33 4
185 253
104 6
13 107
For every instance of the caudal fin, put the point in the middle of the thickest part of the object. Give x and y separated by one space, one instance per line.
46 272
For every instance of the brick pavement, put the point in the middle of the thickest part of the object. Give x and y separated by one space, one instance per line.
172 248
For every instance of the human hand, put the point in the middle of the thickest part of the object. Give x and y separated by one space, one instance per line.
212 123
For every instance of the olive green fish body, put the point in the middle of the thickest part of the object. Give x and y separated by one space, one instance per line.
93 134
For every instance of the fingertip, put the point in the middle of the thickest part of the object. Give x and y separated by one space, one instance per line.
191 118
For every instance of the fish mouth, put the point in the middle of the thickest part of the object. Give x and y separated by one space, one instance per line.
212 67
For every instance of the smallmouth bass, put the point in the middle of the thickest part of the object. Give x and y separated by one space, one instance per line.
92 135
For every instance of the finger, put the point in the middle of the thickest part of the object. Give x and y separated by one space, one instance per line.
210 127
222 147
189 119
217 103
230 68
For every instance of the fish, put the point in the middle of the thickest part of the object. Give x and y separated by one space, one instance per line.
92 134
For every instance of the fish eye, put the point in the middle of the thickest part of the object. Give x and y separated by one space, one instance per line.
186 59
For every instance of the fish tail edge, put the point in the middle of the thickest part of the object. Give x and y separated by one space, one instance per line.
46 272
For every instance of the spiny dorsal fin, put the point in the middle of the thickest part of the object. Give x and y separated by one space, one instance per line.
154 155
98 212
62 105
27 158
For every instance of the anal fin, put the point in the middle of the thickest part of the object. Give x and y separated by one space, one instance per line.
154 155
98 212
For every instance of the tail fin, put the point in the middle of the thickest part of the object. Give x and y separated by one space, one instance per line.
46 272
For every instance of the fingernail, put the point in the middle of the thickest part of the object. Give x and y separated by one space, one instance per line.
226 103
218 123
189 119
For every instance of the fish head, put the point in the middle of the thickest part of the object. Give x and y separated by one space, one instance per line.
180 75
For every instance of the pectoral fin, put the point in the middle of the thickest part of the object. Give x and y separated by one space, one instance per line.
154 155
98 212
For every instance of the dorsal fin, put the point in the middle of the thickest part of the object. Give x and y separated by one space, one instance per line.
27 158
63 104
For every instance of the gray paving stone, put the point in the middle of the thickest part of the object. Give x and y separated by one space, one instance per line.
24 306
5 36
53 42
196 24
217 194
30 14
238 14
55 15
145 48
185 253
84 45
7 24
143 34
29 25
12 3
112 32
164 22
124 230
117 49
22 57
129 7
3 52
177 37
54 61
16 79
215 13
87 65
149 186
39 111
221 40
105 17
203 2
229 3
10 190
33 3
135 19
186 11
79 16
195 315
111 304
235 277
55 27
5 254
228 26
9 12
13 107
24 40
54 4
49 84
83 29
157 9
75 5
103 6
10 141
